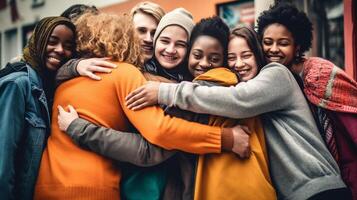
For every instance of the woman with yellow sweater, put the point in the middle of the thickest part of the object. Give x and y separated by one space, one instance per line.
68 172
224 176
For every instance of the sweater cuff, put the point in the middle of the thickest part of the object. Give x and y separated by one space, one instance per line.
75 129
166 94
227 139
75 64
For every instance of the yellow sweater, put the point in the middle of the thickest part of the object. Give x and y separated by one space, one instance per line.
225 176
69 172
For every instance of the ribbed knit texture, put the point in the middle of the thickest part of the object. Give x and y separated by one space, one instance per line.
179 17
328 86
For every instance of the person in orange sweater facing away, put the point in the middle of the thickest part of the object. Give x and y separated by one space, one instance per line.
69 172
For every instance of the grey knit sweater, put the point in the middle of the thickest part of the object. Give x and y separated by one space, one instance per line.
300 164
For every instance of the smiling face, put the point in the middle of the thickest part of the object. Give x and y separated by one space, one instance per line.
242 59
171 47
60 47
278 44
206 53
145 26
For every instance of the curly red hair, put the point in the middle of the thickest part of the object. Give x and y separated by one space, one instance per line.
106 35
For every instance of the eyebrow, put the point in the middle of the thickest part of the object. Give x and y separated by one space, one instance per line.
269 38
215 54
248 51
200 50
166 37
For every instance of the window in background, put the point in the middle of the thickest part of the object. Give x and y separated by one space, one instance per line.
26 33
328 24
11 45
236 12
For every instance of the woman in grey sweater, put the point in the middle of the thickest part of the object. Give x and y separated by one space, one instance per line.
300 164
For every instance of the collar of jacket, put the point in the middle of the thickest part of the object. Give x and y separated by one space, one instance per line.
153 67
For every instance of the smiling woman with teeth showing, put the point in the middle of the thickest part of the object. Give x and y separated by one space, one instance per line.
243 57
170 46
286 35
59 48
26 93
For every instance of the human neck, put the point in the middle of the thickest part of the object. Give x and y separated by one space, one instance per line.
297 67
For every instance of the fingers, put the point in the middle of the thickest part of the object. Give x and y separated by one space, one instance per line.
136 102
138 105
246 129
60 109
241 143
96 68
133 95
102 62
246 154
93 76
143 96
71 109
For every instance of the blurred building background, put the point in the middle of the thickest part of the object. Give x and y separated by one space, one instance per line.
334 21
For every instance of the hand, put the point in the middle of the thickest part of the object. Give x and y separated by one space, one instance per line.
66 118
146 95
241 143
87 67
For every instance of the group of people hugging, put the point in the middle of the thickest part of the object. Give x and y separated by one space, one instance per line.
149 105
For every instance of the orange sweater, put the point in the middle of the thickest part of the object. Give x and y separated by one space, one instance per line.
68 172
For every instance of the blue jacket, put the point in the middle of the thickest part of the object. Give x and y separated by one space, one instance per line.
24 128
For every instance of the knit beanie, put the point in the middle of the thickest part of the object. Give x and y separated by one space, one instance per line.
180 17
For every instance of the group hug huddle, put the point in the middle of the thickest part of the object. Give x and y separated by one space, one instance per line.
149 106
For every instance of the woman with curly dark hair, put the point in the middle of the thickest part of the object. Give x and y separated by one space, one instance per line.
286 34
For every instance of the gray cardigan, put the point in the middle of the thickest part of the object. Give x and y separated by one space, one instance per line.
300 164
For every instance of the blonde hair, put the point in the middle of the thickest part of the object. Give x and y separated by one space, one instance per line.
106 35
148 8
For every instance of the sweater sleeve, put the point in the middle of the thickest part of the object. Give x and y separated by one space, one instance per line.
117 145
67 71
165 131
267 92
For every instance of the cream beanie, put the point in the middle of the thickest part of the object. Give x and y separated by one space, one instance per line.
180 17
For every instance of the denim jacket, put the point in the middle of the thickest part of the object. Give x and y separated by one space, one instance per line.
24 128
